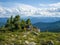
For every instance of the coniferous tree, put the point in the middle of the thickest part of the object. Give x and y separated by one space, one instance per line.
11 24
23 22
8 23
28 22
11 19
17 22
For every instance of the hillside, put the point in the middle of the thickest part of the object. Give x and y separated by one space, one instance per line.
54 26
21 32
29 38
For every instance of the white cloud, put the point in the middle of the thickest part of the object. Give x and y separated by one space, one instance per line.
51 5
21 9
45 10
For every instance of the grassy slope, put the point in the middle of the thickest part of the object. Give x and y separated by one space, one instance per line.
24 38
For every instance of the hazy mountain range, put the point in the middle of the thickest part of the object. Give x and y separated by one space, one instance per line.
55 26
44 23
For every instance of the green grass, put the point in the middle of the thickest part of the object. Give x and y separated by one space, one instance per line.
22 38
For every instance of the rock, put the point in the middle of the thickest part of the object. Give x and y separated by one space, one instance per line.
35 33
32 43
43 42
24 35
12 35
26 42
50 42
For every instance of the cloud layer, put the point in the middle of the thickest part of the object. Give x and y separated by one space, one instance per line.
44 10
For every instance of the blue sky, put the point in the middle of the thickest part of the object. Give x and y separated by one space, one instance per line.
31 2
35 8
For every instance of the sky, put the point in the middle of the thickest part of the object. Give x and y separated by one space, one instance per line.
33 8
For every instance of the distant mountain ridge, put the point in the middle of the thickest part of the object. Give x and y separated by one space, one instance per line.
43 24
53 27
37 19
43 19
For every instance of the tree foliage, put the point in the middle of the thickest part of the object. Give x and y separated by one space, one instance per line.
28 22
14 23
